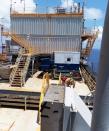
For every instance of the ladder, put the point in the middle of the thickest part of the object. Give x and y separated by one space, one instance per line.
19 72
91 39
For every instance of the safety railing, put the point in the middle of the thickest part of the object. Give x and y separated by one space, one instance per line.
23 42
75 8
89 32
25 69
45 86
92 36
88 78
15 68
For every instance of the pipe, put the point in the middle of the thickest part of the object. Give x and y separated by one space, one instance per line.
100 117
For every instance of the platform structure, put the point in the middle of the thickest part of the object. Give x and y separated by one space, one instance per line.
26 97
17 119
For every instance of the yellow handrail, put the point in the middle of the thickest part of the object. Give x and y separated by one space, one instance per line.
60 81
22 42
45 85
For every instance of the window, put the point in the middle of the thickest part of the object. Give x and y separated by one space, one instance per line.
68 59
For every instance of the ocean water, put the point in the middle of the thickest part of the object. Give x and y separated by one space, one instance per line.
93 60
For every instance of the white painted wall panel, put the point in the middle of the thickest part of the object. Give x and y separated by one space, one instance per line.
66 57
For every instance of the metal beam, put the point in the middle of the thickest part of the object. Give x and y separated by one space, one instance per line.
45 15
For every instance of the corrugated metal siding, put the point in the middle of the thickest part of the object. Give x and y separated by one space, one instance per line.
47 26
51 44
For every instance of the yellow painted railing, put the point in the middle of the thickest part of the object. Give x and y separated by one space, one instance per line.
23 42
60 81
45 86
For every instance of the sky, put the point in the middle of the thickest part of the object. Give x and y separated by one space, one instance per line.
94 11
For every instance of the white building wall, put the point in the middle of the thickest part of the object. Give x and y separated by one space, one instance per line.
65 57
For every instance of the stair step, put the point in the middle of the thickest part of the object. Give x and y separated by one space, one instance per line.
20 67
16 85
23 61
19 84
18 71
22 64
17 76
24 57
17 80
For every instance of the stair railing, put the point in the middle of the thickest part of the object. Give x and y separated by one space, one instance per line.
24 43
25 69
12 75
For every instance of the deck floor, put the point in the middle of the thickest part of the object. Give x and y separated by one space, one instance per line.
81 89
18 120
33 84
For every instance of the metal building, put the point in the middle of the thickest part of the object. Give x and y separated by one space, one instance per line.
50 32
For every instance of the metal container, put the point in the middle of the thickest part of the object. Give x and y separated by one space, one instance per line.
49 33
66 57
40 25
51 44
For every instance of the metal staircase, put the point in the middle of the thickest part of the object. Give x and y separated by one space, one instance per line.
22 41
18 74
90 42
